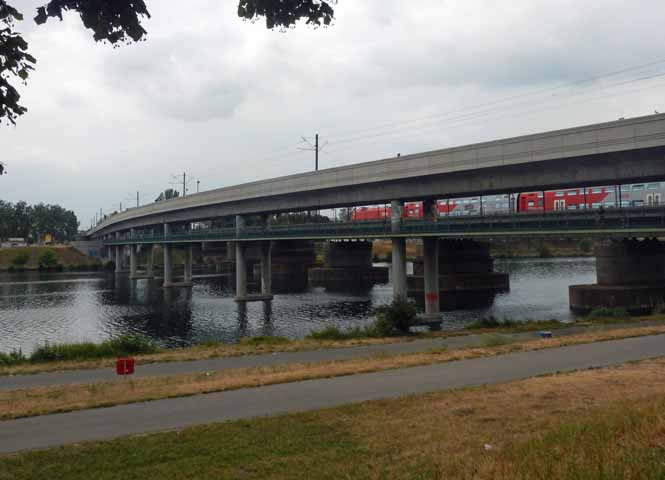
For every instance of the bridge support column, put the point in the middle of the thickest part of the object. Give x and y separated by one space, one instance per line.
118 254
348 267
266 267
431 274
168 264
189 260
399 253
630 274
132 261
241 272
150 265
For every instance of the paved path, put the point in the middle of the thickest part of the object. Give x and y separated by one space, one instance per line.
159 415
72 377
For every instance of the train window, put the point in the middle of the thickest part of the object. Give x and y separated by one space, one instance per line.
572 207
596 205
653 186
572 192
531 204
540 194
625 188
638 187
597 190
559 194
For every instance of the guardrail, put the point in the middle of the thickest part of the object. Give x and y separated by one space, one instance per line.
624 221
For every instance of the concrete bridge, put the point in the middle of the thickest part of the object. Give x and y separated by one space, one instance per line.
624 151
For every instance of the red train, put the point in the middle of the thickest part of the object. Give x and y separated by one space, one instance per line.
555 200
412 210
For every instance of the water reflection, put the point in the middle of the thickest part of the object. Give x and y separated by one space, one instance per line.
72 307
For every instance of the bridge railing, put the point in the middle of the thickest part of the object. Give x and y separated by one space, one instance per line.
589 220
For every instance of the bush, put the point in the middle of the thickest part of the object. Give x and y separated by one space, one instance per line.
585 245
47 259
117 347
398 317
334 333
544 251
491 322
12 358
608 312
20 259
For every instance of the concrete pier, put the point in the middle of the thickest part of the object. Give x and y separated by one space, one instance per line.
398 253
133 261
189 260
630 274
431 277
266 268
466 275
168 261
150 264
347 267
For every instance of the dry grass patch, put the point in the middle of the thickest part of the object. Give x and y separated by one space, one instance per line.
40 401
593 424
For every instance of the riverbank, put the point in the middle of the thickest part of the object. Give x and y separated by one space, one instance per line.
28 258
27 402
267 345
605 423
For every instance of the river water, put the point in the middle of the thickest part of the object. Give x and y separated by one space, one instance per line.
67 307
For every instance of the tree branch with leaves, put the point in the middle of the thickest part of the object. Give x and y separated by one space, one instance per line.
120 21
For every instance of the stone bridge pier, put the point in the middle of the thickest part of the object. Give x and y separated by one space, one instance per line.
466 276
348 266
630 274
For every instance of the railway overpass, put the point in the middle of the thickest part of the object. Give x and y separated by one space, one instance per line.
619 152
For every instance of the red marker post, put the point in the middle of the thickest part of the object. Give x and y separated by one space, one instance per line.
124 366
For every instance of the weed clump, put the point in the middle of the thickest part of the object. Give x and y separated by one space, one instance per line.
616 313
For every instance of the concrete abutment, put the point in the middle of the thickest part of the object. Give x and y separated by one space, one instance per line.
630 274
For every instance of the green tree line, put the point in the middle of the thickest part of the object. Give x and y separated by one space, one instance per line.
32 222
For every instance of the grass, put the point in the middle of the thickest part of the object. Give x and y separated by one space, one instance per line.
593 424
492 322
61 352
495 340
40 401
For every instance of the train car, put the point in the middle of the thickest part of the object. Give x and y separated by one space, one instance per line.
589 198
412 211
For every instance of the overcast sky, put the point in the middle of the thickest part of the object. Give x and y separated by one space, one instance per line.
227 101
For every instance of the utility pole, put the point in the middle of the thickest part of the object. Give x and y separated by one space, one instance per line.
316 148
198 182
137 199
184 184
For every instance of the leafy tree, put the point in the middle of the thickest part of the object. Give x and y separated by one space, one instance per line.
2 169
35 221
167 194
119 21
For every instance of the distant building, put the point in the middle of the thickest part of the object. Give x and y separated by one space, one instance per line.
15 243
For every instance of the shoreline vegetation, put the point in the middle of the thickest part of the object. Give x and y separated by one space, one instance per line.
55 258
87 355
37 401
